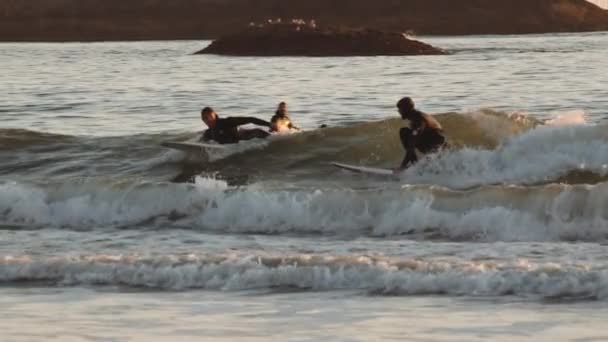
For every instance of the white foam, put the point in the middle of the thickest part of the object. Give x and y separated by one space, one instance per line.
540 155
210 184
85 206
490 214
319 273
500 213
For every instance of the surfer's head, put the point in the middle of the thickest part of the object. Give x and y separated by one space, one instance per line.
282 109
209 117
405 106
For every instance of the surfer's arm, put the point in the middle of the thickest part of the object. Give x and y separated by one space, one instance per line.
409 138
417 128
206 136
244 120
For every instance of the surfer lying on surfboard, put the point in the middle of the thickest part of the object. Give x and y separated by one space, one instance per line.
226 131
424 134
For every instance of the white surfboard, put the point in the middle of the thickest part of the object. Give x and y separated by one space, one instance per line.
364 169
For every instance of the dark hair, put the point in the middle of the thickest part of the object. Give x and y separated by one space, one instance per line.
207 110
406 103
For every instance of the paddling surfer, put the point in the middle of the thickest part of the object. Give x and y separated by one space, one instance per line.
226 131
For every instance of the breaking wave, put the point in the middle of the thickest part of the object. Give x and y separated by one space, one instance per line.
373 275
488 147
494 213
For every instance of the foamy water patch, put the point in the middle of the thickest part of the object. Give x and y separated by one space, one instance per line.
550 213
541 155
372 275
86 206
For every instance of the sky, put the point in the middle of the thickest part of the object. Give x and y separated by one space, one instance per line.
601 3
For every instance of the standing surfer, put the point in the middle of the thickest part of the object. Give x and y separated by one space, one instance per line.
424 134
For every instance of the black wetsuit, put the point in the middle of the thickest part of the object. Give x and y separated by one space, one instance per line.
226 130
424 134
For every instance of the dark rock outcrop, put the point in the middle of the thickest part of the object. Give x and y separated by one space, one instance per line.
299 38
60 20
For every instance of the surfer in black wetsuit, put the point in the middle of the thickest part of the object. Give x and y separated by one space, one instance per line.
281 121
424 134
226 131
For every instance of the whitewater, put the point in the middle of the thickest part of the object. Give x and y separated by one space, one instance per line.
104 234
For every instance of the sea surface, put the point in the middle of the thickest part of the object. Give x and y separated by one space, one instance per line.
107 236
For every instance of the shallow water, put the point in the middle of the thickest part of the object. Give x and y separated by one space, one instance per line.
85 314
267 239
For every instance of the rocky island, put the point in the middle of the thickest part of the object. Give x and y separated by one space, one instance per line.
90 20
297 37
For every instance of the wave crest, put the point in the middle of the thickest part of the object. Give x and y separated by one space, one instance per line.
548 213
315 273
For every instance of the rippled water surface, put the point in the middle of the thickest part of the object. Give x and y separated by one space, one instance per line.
97 217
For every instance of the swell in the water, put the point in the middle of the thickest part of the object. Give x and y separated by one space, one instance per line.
46 157
487 148
372 275
570 154
503 186
492 213
373 143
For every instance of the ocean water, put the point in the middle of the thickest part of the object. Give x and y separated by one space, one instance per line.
106 235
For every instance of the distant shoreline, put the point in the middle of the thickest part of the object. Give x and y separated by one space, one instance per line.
92 41
116 20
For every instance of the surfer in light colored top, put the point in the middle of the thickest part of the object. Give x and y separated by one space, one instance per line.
424 133
281 121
